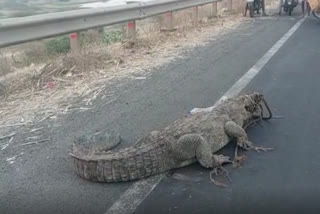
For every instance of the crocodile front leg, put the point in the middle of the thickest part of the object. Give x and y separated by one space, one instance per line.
234 130
194 145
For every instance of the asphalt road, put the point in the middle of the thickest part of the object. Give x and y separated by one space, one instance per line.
285 180
41 180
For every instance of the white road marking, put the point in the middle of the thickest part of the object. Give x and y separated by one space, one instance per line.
132 198
253 71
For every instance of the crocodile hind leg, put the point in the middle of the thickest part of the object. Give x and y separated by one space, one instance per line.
195 146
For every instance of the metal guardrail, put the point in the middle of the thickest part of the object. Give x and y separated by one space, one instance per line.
19 30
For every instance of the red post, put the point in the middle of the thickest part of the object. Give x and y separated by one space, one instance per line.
75 43
169 21
131 29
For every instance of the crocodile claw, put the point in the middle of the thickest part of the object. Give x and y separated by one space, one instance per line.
247 145
221 159
260 148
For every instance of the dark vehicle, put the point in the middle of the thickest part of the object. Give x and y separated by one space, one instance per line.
288 6
254 6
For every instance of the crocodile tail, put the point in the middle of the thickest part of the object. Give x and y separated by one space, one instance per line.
125 165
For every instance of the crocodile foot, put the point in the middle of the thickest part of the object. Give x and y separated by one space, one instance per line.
219 160
218 170
247 145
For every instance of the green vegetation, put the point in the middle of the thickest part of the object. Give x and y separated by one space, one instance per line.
62 44
112 36
58 45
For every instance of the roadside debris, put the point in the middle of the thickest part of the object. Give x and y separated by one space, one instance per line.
34 142
140 78
35 129
6 145
12 159
7 136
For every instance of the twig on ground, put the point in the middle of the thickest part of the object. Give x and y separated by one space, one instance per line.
6 145
224 172
36 129
47 117
217 183
7 136
82 109
95 95
11 125
51 72
35 142
13 159
71 69
33 138
61 80
110 101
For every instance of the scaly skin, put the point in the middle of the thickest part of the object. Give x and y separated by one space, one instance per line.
194 138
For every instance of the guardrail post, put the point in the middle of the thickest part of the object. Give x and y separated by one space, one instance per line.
75 43
229 5
131 30
76 21
169 21
214 9
195 16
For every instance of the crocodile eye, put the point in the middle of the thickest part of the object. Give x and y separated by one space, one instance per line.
250 108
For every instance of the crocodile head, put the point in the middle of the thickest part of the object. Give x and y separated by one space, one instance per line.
243 109
252 104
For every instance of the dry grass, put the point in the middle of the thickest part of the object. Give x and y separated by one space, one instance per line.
48 89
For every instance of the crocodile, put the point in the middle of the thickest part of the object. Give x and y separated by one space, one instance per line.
192 138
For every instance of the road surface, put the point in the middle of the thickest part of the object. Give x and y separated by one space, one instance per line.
284 180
